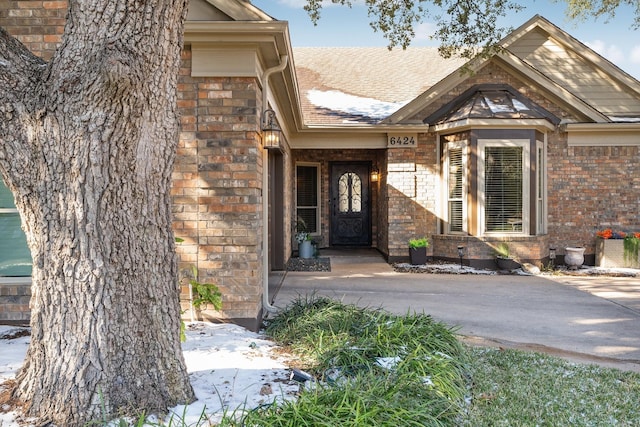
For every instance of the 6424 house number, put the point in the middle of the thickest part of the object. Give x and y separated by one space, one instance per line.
402 140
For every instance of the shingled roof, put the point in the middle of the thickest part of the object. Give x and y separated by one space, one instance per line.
341 85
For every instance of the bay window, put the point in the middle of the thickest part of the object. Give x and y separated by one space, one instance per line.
494 186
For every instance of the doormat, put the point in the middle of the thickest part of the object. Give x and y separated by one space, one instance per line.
309 264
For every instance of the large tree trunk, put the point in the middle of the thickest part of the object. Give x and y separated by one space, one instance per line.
87 147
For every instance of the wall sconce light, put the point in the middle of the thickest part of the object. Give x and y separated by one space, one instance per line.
552 255
270 130
375 175
461 253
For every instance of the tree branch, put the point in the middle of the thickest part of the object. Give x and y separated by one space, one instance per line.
17 65
21 75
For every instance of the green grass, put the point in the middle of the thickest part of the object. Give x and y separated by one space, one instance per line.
511 387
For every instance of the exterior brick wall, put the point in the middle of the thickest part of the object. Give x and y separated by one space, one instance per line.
590 189
217 190
217 181
39 25
14 301
480 253
412 194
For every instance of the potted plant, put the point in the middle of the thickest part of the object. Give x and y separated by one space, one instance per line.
503 257
303 237
418 250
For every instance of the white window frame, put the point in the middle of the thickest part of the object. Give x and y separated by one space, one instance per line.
526 184
464 146
541 187
318 194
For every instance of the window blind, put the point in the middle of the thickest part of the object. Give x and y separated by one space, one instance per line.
455 189
503 189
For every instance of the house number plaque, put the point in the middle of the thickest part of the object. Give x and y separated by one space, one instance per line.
401 140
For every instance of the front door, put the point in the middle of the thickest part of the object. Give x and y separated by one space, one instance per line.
350 204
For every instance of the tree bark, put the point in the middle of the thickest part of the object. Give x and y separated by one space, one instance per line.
87 143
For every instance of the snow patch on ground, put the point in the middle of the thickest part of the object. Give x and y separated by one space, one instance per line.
448 268
231 370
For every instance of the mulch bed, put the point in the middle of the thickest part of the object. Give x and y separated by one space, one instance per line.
309 264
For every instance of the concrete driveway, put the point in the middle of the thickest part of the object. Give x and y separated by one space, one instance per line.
587 319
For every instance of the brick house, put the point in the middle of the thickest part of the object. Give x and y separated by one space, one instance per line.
537 146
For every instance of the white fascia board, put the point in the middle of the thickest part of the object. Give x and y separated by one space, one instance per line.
357 137
603 134
461 125
320 141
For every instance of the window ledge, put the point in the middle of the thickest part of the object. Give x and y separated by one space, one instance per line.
18 280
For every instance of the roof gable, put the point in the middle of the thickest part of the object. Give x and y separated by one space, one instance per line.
576 67
552 69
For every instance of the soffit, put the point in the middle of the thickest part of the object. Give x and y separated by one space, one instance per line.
235 38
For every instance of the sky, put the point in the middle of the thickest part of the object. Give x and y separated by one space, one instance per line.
341 26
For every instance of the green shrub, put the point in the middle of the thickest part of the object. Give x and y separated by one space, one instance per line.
502 250
422 242
373 368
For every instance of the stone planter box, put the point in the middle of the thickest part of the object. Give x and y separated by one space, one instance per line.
610 254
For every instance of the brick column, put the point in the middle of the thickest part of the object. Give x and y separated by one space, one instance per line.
218 191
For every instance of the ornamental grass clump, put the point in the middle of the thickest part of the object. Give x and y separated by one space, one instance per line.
372 367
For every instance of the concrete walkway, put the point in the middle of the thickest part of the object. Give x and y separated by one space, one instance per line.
586 319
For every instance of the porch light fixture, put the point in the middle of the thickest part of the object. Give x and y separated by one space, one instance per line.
270 130
375 175
460 253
